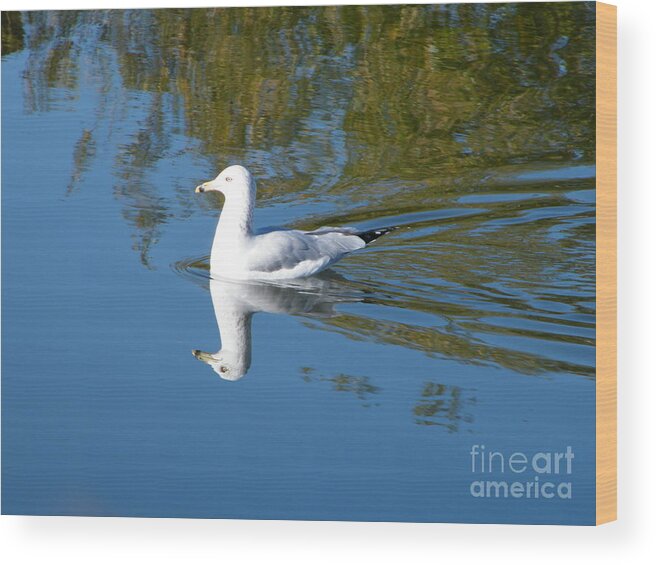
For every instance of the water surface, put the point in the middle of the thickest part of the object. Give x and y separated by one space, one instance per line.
471 127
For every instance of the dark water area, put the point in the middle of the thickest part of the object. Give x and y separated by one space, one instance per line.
361 392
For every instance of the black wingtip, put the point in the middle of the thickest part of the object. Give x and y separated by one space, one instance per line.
371 235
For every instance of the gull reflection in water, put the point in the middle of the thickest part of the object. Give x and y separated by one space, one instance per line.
235 303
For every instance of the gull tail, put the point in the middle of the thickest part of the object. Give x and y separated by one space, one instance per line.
371 235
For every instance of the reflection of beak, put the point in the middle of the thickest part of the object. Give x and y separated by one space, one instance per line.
202 355
200 188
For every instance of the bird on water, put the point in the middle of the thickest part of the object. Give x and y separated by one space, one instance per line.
238 252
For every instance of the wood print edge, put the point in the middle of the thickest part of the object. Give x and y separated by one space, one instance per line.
606 282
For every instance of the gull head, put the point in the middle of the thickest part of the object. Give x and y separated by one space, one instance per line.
233 180
228 367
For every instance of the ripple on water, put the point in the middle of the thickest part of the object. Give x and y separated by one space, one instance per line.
482 285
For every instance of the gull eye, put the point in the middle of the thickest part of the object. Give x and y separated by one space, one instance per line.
228 179
223 369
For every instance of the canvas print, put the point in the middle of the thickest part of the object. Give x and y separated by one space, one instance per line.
317 263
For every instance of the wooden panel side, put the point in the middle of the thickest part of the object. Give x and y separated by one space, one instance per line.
606 108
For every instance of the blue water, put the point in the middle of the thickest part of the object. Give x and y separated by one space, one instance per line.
473 324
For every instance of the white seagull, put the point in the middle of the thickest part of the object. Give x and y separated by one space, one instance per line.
239 253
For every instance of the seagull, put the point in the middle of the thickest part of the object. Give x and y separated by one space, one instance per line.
240 253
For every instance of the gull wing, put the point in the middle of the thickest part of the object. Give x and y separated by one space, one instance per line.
290 249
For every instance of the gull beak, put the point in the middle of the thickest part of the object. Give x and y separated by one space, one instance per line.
202 355
200 188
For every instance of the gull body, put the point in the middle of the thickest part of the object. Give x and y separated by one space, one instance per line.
240 253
